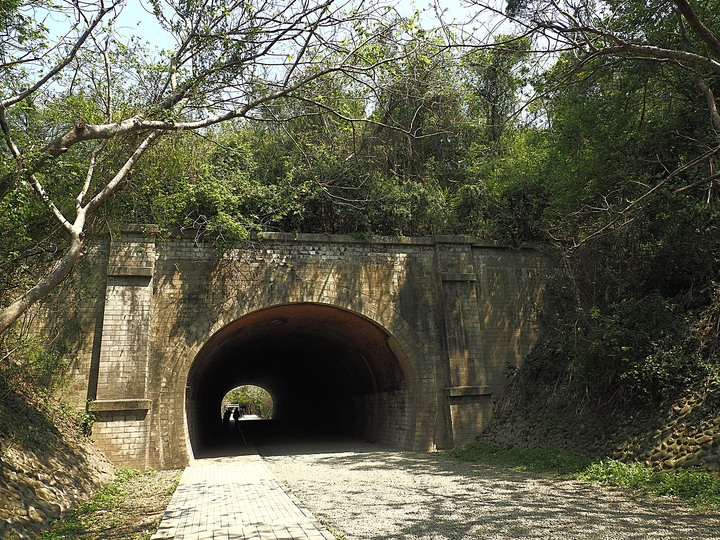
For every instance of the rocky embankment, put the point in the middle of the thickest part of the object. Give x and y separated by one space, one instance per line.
44 469
683 434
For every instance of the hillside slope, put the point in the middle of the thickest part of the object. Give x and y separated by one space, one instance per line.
46 465
681 433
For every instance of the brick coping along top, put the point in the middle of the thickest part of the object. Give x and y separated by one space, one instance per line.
149 229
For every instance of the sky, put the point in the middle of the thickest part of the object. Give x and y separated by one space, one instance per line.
137 20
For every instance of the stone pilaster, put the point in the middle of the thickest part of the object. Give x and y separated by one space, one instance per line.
121 405
468 394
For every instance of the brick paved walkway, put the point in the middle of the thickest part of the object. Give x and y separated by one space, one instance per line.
233 498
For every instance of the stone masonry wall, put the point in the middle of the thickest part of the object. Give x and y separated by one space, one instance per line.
199 294
458 313
511 298
120 403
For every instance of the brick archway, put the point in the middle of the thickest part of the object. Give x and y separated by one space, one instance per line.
448 315
329 369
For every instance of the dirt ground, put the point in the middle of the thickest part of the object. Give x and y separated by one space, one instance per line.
367 492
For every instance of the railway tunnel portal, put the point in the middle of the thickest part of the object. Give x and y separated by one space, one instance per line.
399 340
329 371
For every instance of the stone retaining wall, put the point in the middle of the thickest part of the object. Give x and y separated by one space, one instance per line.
43 471
685 434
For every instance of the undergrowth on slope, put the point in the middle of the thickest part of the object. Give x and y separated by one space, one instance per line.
698 487
129 508
526 459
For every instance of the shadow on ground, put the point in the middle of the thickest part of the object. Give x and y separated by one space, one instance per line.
375 493
271 436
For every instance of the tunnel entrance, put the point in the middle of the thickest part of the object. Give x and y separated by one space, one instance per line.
329 372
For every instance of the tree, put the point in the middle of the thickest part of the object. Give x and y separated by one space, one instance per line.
496 76
584 37
254 399
80 110
631 141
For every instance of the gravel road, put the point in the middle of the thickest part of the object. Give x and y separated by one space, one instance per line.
369 492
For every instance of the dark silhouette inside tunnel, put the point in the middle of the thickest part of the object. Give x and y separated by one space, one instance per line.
329 372
249 400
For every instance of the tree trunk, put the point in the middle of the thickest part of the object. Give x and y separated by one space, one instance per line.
59 272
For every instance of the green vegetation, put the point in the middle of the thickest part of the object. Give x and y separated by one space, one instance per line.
698 487
32 373
607 154
337 534
600 146
32 366
129 508
255 400
526 459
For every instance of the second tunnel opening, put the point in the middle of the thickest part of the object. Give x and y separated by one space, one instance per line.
330 372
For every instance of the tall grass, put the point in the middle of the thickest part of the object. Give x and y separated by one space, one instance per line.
129 508
99 512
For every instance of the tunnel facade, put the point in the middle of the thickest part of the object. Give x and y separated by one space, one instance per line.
403 341
329 371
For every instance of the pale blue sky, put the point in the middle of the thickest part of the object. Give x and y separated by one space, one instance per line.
135 20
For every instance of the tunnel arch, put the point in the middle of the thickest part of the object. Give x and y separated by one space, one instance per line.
328 369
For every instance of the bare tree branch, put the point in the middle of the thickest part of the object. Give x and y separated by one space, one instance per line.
711 101
8 102
638 203
231 60
703 32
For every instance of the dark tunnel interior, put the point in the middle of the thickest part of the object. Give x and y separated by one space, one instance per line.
321 365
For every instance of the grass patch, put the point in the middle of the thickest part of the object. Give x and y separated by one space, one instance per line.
337 534
700 488
129 508
525 459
